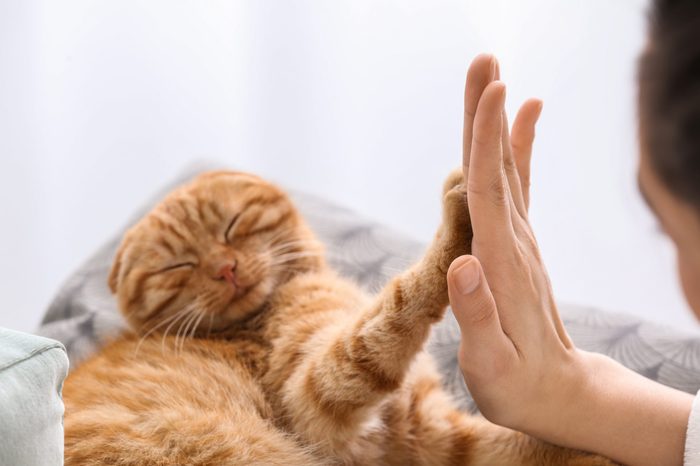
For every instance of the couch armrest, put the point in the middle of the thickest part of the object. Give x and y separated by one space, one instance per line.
32 370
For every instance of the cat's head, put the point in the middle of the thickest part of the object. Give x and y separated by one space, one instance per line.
211 254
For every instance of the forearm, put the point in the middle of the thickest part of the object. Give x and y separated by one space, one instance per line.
622 415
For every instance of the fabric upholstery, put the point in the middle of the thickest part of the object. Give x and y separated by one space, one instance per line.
32 370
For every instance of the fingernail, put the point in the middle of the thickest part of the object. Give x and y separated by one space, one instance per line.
467 277
494 68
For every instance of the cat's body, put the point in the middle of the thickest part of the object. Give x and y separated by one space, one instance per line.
303 367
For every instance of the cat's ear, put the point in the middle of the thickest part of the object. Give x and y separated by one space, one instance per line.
116 268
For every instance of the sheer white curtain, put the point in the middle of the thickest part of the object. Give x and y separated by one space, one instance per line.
359 101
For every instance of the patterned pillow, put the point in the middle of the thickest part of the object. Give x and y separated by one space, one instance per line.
84 314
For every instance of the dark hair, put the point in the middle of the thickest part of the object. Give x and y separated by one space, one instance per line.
669 96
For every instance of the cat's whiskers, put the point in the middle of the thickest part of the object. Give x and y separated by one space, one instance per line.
191 328
200 313
184 321
290 245
290 262
291 257
181 315
182 330
282 233
294 249
209 300
289 242
295 254
196 324
254 267
156 327
280 252
277 235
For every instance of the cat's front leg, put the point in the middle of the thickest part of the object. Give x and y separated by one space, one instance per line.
350 368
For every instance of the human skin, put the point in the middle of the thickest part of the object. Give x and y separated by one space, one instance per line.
516 357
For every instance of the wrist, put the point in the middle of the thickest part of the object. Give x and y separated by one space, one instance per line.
563 396
618 413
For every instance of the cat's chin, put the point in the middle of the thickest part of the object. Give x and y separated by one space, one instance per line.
243 307
226 324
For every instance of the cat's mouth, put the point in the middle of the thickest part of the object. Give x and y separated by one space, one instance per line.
238 298
241 292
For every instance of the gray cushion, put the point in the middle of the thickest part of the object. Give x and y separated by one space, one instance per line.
32 370
84 313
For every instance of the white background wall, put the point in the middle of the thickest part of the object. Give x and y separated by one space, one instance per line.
101 103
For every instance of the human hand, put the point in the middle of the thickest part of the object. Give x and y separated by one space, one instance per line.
513 341
516 357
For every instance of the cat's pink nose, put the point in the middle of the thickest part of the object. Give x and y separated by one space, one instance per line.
228 272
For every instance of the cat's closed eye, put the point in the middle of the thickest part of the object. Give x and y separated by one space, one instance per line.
230 228
178 266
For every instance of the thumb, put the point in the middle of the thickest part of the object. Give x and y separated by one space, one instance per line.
483 339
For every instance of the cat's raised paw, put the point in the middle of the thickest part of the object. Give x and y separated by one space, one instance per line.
453 180
455 234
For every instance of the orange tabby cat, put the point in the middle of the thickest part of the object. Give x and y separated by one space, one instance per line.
248 350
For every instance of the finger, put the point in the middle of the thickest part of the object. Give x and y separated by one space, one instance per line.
489 199
508 162
511 171
484 348
521 142
481 72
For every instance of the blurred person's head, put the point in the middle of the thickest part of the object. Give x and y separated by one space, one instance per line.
669 131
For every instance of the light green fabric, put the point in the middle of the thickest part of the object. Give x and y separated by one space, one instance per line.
32 370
